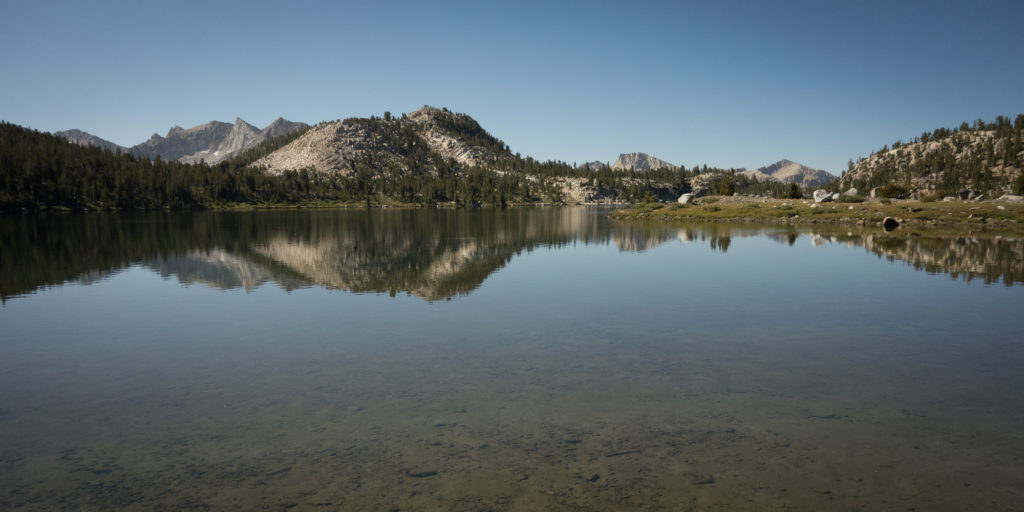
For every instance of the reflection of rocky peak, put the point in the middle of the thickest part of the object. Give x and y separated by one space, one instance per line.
639 237
219 269
434 254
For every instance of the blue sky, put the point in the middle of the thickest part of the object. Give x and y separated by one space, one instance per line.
730 84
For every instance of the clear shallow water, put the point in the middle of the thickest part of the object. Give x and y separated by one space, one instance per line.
520 360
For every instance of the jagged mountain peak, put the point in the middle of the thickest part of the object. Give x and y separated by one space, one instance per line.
211 142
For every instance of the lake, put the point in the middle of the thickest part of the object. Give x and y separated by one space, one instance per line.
519 359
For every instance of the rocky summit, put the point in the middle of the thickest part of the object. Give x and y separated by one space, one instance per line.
788 171
640 162
339 146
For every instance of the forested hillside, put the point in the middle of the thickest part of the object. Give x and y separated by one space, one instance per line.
983 157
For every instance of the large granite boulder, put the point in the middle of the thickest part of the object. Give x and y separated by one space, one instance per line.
822 196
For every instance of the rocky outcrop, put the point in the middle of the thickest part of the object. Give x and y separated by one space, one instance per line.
579 191
787 171
822 196
640 162
87 139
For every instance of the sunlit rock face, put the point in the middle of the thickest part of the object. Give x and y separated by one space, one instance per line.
334 147
640 162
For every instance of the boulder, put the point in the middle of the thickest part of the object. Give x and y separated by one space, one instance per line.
874 192
852 191
822 196
1010 198
686 198
949 198
699 192
890 223
835 196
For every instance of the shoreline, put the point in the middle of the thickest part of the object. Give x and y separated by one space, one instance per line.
992 216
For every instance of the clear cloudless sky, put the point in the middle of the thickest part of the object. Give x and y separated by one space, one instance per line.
730 84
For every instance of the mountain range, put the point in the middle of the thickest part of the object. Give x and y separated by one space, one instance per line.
783 171
335 146
212 142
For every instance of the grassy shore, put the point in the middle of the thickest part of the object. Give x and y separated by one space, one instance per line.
988 215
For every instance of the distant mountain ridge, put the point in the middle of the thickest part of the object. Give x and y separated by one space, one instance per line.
593 166
788 171
87 139
212 142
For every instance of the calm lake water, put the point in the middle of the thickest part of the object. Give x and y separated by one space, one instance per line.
526 359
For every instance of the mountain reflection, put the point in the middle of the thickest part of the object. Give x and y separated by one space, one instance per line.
433 254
